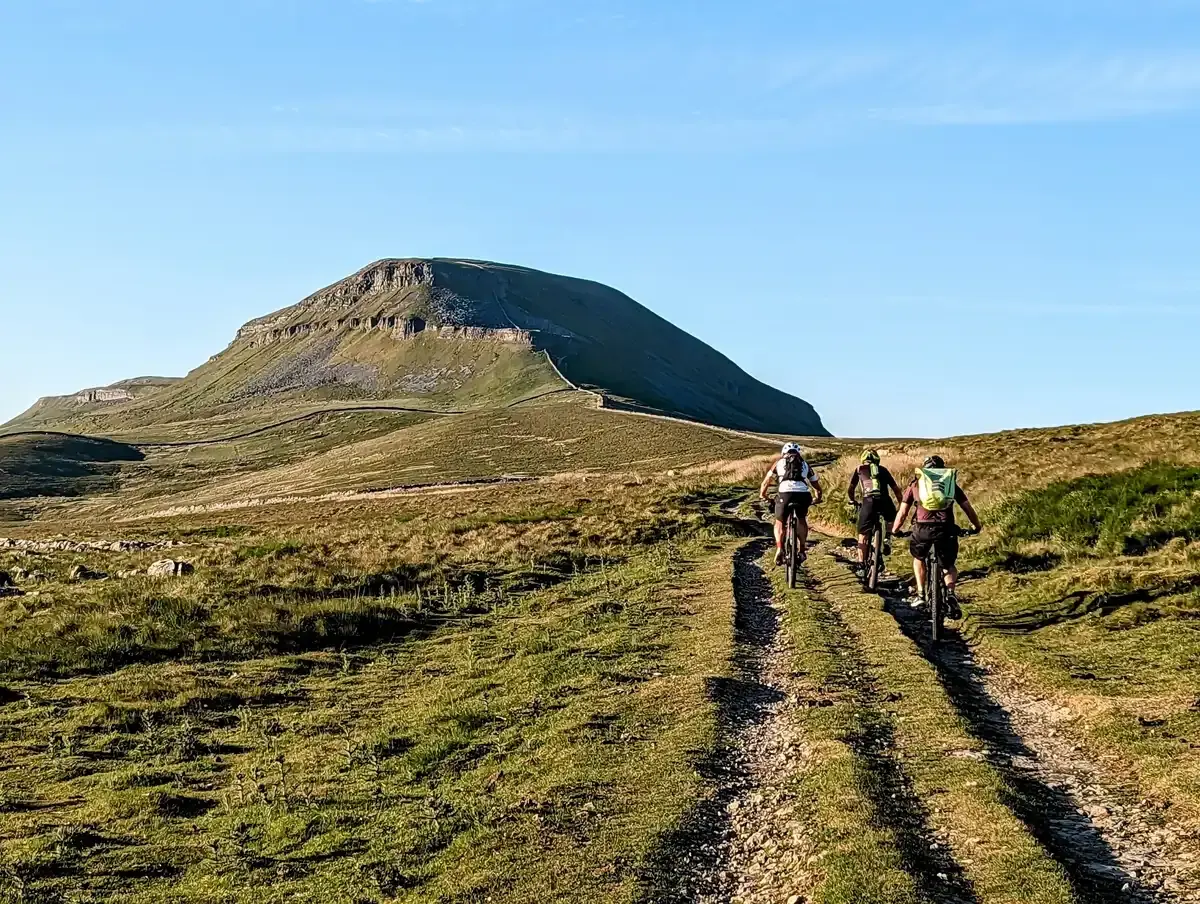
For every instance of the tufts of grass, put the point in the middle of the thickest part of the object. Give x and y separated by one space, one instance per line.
1122 513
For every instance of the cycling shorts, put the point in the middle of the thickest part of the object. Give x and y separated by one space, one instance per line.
942 536
874 507
800 502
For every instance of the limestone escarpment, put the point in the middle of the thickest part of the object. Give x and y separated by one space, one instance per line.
400 298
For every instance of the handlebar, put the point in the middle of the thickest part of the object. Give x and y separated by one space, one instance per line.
962 532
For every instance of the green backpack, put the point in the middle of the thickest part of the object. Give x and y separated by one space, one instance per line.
936 488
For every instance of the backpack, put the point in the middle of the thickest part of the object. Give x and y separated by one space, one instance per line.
795 468
936 488
873 478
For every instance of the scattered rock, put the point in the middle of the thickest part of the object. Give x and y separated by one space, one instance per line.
83 573
169 568
64 545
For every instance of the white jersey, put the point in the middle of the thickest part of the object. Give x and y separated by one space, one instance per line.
793 486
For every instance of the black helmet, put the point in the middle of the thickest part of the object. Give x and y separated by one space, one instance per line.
935 461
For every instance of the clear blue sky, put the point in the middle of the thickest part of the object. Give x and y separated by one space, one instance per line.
826 192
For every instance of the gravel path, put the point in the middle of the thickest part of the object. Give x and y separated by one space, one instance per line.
744 844
1112 846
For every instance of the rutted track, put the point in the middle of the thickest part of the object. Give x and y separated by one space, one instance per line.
1110 848
747 842
454 486
700 861
935 873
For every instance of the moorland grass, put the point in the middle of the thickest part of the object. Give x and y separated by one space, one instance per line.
534 739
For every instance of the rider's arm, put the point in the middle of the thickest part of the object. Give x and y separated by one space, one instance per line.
906 504
968 509
853 485
895 488
816 485
762 490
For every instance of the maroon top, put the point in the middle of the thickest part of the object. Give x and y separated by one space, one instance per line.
924 516
863 477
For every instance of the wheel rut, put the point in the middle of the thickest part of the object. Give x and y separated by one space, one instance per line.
723 851
895 804
1111 847
746 842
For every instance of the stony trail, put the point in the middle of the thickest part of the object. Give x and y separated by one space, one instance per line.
1112 846
747 844
744 844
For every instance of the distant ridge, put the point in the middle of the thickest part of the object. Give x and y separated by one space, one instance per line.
453 333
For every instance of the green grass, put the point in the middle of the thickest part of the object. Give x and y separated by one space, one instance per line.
865 680
57 465
252 733
1121 513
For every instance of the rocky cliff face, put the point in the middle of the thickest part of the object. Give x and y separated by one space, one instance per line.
400 298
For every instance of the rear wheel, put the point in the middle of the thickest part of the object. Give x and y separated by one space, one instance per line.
875 559
937 599
792 553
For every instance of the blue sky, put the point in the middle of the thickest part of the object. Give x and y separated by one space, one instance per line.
989 208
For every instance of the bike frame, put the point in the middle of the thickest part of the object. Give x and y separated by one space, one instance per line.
790 553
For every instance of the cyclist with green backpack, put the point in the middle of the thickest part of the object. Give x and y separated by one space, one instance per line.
934 493
876 482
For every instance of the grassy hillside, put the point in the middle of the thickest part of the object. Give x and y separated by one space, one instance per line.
395 677
437 335
47 464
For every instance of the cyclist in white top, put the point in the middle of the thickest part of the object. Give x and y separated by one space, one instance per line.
798 489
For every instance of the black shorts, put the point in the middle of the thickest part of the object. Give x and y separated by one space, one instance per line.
798 501
872 508
942 536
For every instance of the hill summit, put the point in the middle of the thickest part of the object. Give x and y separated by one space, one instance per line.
459 334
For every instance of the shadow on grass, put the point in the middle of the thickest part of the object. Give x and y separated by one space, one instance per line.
686 866
1051 815
895 805
1080 604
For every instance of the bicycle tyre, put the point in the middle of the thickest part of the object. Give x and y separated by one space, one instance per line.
792 553
875 559
937 604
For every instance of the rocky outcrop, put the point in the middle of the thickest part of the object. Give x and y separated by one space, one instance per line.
123 391
394 326
170 568
81 573
398 297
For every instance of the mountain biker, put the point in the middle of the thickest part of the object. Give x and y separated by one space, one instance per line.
876 482
935 529
798 489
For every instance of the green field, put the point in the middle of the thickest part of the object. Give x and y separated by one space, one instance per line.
525 653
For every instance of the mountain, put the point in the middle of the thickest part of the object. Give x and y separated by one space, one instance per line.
445 334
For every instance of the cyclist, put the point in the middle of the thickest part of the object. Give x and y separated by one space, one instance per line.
935 528
798 489
876 482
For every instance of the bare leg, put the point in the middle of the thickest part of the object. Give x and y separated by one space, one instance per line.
951 577
862 549
779 533
919 571
802 538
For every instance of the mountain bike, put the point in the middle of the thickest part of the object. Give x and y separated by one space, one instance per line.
792 555
935 585
872 568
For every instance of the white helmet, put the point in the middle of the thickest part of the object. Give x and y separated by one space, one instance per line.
791 449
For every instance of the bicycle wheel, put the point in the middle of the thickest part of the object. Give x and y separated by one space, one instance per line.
937 597
875 558
792 554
